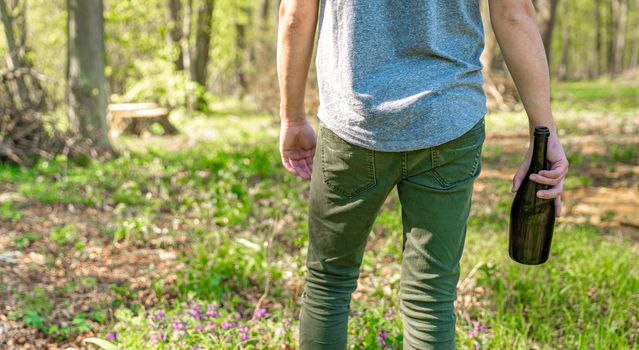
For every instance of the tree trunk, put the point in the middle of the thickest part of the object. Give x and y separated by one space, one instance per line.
618 36
612 26
565 42
203 28
266 4
546 15
86 82
186 52
16 48
598 42
174 37
245 55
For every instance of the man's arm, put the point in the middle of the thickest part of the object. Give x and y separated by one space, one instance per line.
295 42
515 26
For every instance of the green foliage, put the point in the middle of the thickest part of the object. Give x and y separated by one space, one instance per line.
220 265
202 325
596 96
9 212
24 240
158 81
577 299
63 235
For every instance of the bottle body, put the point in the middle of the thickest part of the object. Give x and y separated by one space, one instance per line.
532 219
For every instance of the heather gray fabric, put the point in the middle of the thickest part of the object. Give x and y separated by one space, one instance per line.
400 75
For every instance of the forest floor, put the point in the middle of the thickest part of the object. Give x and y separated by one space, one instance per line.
200 239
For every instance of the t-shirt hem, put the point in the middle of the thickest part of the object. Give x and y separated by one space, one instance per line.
396 145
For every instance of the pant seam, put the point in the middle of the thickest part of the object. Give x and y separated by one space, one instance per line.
404 166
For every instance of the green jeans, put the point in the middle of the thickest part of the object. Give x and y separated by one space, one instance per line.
348 187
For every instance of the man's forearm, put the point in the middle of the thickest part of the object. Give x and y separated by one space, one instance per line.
515 27
295 41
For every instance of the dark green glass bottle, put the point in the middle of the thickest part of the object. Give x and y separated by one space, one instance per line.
532 218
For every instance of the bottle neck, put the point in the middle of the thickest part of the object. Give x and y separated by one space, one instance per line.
538 161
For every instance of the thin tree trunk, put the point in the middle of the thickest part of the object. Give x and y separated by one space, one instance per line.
174 37
186 52
620 35
634 53
565 42
612 26
202 42
15 58
546 15
245 54
598 42
86 81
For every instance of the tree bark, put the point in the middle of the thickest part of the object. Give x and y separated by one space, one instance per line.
186 52
16 48
86 82
620 16
245 53
174 37
598 42
200 60
546 15
565 42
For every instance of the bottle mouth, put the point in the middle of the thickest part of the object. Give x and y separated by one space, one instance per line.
542 131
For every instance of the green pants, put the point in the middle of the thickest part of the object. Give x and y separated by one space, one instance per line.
348 186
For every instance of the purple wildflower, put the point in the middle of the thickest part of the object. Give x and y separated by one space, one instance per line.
281 331
259 313
178 325
228 325
212 325
212 313
195 310
380 340
199 347
244 336
112 336
155 338
199 327
287 323
159 315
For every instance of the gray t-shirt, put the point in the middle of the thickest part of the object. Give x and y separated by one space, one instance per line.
400 75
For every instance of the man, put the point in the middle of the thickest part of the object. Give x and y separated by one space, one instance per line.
401 104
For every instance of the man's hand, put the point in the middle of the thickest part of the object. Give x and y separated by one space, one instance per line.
553 177
297 147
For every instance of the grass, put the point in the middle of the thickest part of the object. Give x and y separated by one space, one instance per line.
237 222
596 96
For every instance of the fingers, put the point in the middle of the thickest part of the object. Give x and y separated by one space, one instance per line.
558 206
552 192
545 180
559 169
300 167
519 178
291 169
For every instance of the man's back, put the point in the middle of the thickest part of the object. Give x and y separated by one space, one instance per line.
400 75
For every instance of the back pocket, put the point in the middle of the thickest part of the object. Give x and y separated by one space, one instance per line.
347 169
459 160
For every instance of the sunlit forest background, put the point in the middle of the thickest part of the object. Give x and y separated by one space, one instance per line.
143 204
